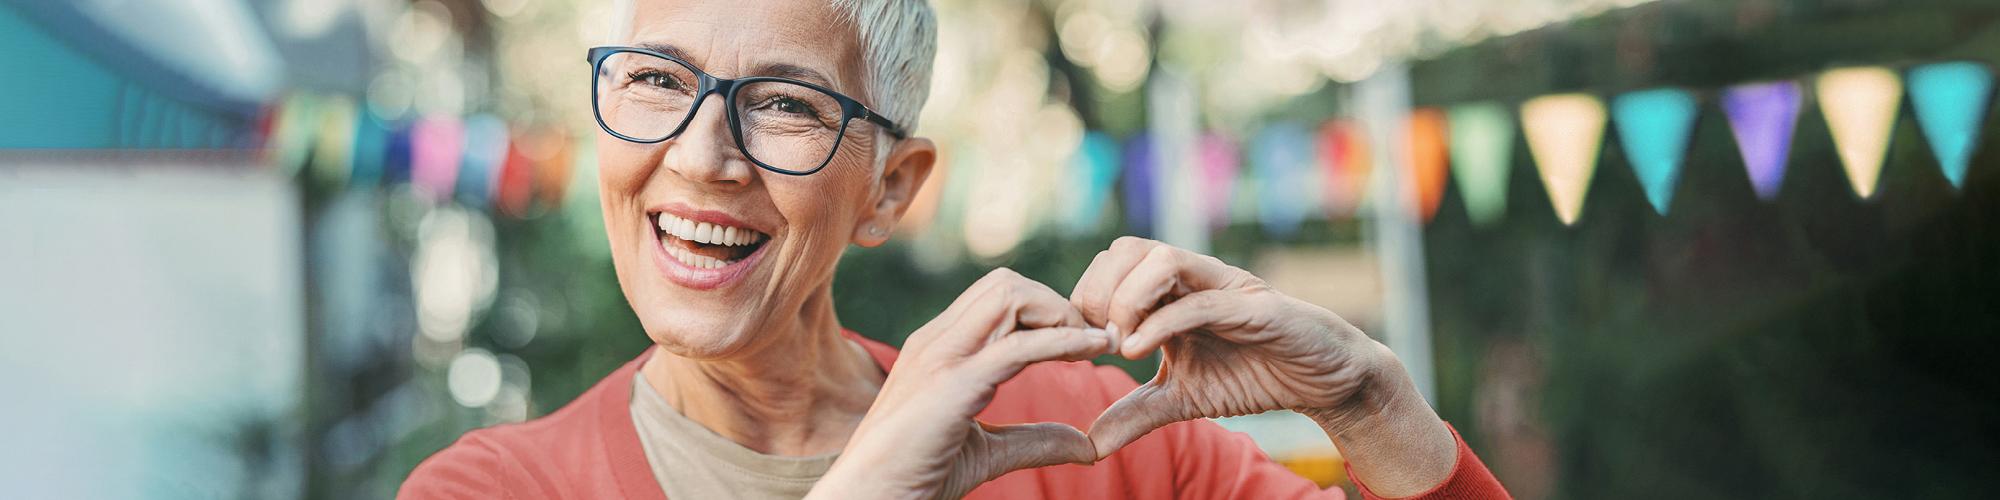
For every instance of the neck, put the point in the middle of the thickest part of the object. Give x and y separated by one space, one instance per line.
799 391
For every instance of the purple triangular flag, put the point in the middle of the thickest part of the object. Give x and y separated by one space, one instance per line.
1762 116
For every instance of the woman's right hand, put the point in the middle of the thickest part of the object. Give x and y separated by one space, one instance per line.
920 438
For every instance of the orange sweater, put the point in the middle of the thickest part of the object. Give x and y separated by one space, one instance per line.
590 450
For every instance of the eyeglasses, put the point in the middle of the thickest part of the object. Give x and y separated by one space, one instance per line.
783 125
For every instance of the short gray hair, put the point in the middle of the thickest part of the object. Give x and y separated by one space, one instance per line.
898 43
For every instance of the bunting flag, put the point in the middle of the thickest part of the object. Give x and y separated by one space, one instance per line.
1344 158
292 133
515 189
1653 128
1243 202
1216 168
1429 157
1564 133
1762 117
1140 169
550 151
396 157
435 145
1282 157
333 147
485 147
371 146
1482 151
1093 170
583 175
1950 100
1860 106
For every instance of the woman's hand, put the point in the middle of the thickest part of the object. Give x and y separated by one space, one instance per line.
919 439
1233 346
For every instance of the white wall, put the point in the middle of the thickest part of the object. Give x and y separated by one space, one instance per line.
150 306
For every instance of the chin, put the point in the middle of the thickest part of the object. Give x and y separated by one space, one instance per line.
697 334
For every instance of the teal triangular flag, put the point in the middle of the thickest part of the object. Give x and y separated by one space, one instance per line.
1653 127
1950 101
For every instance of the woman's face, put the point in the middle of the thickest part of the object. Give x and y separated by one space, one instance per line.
744 248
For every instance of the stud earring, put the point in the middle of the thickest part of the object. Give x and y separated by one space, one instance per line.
875 230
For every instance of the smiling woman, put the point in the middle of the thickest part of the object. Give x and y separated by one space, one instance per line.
736 167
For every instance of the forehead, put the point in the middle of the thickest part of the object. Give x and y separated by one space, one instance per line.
739 38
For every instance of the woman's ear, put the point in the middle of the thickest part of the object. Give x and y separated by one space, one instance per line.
902 176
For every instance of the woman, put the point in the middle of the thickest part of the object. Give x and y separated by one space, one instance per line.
736 168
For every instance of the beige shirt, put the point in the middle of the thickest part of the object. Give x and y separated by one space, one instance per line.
692 462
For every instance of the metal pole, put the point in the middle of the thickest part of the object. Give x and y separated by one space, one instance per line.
1383 104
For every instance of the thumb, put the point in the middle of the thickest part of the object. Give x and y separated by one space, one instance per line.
1133 416
1027 446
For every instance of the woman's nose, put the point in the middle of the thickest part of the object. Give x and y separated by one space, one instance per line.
705 152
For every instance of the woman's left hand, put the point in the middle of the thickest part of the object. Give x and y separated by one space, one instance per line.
1234 346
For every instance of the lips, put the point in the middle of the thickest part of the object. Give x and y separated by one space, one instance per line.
703 249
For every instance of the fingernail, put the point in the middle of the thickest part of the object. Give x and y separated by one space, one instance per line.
1097 332
1131 343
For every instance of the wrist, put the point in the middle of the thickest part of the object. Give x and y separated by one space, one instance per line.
1382 395
1390 437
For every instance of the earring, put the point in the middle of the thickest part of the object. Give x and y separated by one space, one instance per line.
875 230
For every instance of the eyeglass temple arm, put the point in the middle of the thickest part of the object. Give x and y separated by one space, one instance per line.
894 130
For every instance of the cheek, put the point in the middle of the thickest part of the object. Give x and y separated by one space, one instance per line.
822 206
621 168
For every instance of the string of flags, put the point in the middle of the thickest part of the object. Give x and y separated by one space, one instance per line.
1472 144
1655 127
1284 174
478 160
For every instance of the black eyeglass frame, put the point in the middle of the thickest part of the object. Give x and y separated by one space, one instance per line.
708 84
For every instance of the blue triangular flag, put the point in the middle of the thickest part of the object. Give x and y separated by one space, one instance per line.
1653 127
1950 101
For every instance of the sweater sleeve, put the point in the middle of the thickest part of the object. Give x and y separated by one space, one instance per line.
1469 479
472 468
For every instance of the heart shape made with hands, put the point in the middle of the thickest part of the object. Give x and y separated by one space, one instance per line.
1231 345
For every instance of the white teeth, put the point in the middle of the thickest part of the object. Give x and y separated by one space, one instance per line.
707 233
694 260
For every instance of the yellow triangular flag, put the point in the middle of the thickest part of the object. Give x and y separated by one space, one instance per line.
1564 134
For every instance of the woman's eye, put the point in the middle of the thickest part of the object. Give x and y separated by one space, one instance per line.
792 106
661 80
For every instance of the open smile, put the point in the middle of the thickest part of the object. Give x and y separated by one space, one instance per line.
705 250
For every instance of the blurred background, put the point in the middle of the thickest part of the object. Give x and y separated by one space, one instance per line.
1630 248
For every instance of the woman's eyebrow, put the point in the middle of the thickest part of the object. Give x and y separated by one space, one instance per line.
781 70
793 71
669 50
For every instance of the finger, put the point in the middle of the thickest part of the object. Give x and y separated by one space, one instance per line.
1223 312
1147 408
1092 295
1026 446
1007 356
1013 303
975 294
1153 280
1039 306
